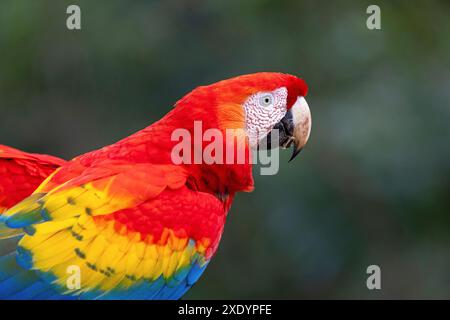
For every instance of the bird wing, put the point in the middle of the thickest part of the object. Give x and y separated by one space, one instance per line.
120 225
21 173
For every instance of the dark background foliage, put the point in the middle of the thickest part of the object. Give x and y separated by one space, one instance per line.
372 186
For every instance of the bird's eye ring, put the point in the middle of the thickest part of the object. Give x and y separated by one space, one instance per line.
266 100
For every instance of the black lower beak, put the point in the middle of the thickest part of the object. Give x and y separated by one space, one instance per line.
286 136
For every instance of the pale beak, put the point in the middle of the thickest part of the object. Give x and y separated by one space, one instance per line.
301 118
295 127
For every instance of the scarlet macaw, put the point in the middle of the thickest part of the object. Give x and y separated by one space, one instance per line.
136 225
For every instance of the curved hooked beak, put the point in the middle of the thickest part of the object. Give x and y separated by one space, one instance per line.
294 128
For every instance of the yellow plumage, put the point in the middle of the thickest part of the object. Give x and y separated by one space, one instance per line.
106 259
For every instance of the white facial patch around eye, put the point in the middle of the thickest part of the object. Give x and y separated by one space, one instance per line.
263 111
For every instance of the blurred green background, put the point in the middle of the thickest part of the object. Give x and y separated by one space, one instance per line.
372 186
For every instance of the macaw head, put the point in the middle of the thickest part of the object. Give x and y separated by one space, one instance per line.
257 103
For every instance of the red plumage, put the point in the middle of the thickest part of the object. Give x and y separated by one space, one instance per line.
126 213
21 173
217 106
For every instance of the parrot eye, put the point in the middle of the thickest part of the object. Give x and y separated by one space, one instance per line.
266 100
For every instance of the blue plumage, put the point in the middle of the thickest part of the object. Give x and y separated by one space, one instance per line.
18 283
